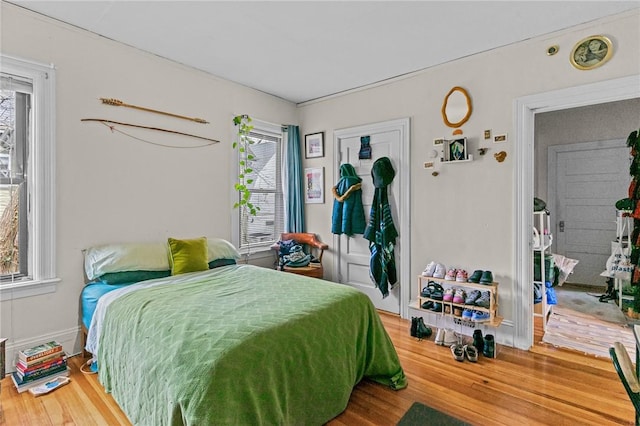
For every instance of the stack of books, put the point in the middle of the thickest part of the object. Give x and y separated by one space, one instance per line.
38 365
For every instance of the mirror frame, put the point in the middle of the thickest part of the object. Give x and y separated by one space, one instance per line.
444 107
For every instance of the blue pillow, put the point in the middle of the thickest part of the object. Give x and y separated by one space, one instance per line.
221 262
132 276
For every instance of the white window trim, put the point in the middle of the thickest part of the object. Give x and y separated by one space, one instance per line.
42 185
262 251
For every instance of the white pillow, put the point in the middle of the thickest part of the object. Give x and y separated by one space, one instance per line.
100 260
221 249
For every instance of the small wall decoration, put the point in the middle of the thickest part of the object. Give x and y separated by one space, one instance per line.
365 148
314 185
591 52
314 145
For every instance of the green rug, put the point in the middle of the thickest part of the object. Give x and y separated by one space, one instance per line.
420 415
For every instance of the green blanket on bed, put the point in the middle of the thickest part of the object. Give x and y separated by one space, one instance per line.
242 345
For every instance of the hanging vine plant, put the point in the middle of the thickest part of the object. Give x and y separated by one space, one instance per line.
245 161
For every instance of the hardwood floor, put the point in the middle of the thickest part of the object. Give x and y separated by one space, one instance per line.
545 386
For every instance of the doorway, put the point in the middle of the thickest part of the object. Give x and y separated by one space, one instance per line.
386 139
525 110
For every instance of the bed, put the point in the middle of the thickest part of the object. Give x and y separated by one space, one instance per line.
236 344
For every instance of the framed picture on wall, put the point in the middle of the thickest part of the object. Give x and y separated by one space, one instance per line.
314 145
314 185
591 52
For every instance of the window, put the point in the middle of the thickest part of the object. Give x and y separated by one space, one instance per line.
27 179
262 230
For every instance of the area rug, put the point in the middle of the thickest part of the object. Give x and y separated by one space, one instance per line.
420 415
568 328
587 302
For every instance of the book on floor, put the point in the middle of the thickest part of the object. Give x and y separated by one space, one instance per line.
22 386
27 356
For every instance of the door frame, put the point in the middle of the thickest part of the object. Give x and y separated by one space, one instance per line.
524 111
403 246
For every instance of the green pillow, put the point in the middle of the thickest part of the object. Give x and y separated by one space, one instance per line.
188 255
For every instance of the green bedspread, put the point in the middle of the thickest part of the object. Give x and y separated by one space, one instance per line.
242 345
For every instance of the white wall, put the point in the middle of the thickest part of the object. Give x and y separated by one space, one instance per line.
111 188
465 216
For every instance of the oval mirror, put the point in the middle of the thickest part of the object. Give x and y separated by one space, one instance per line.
456 108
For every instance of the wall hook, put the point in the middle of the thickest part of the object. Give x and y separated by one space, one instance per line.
483 151
434 173
500 156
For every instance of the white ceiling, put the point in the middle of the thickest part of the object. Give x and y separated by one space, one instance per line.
305 50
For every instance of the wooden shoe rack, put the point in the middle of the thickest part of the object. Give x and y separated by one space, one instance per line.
493 321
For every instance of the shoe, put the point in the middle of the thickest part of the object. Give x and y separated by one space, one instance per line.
487 278
414 326
457 351
430 269
461 276
459 296
427 305
448 294
480 316
489 346
467 314
451 275
478 340
437 307
475 277
437 292
450 337
457 311
472 297
484 301
423 331
471 352
440 271
439 340
447 309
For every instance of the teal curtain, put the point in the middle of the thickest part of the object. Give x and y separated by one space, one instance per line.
293 165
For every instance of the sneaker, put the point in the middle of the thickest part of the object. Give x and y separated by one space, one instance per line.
450 337
467 314
457 351
484 301
472 297
448 294
430 269
439 271
487 277
461 276
439 340
451 275
475 277
459 296
479 316
471 352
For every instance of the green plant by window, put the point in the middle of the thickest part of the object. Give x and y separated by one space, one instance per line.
245 160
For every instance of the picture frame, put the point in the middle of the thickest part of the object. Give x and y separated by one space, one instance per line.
314 145
591 52
456 150
314 185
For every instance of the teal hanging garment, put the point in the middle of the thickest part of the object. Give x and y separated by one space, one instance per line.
348 212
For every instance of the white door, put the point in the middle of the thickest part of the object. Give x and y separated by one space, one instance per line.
353 252
590 178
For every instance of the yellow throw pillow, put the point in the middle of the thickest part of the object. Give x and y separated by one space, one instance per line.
188 255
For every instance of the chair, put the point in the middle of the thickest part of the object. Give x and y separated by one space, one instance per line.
624 367
310 240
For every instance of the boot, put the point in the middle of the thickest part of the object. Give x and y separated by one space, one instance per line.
478 340
489 346
423 331
414 327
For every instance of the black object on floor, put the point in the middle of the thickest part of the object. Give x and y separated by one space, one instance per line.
420 415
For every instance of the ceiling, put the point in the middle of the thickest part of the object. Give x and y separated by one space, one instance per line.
304 50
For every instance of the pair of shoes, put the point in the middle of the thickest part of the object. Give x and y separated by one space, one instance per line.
479 316
446 337
457 350
422 331
436 292
481 277
439 271
430 269
489 346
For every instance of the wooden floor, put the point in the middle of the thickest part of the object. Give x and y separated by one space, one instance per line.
544 386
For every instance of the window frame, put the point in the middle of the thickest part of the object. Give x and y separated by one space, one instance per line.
264 248
41 185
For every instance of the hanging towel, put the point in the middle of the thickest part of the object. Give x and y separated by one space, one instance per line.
348 213
381 232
